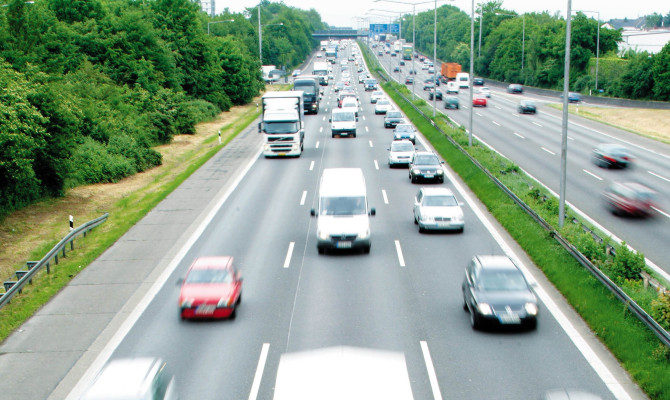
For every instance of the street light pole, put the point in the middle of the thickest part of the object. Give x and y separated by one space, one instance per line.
472 68
564 126
435 60
260 36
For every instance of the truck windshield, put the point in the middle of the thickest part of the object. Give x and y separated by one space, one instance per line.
281 127
308 89
354 205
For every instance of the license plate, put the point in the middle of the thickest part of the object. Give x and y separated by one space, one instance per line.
509 319
205 309
343 245
428 176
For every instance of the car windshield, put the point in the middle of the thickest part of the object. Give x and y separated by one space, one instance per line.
394 114
349 103
281 127
383 102
344 116
425 160
209 276
440 201
402 146
404 128
502 281
354 205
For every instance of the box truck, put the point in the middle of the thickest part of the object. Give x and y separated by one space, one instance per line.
282 125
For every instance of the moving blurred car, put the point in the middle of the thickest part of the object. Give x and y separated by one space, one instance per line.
428 86
478 82
426 165
412 72
436 208
383 105
630 199
404 131
396 68
212 289
438 94
132 379
393 118
376 95
339 86
402 62
451 102
485 91
607 155
400 153
479 100
526 107
573 97
515 88
296 73
452 87
496 292
409 80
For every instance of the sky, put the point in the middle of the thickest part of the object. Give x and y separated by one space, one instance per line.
343 13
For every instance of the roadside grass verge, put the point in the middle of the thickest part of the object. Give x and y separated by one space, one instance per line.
645 357
123 214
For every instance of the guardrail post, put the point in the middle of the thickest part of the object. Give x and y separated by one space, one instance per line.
72 245
20 274
8 285
55 259
31 264
64 255
48 268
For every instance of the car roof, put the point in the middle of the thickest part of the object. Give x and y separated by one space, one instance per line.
436 191
124 378
490 262
212 262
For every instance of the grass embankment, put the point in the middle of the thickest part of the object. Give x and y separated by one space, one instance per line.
645 358
30 233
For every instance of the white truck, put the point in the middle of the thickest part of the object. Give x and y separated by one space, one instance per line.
321 70
324 45
283 124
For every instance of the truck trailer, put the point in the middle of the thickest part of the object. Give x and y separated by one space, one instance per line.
283 124
450 70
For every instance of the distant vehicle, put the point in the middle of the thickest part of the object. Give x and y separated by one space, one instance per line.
630 199
496 292
343 122
450 70
607 155
526 107
452 87
350 103
426 165
382 106
376 95
436 208
405 131
212 288
319 55
428 86
370 84
133 379
396 69
412 72
393 54
400 152
484 90
479 100
380 53
438 94
478 81
463 80
310 86
321 70
409 80
451 102
283 123
407 52
393 118
296 73
573 97
515 88
401 63
339 86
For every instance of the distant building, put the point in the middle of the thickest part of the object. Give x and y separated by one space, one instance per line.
651 41
207 6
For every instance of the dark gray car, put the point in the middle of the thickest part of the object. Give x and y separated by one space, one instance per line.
425 165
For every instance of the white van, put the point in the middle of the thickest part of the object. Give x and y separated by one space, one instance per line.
343 215
343 122
133 379
463 80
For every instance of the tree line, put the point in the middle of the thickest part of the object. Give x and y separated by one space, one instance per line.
88 87
530 48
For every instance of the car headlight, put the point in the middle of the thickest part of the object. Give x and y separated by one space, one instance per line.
531 308
323 235
416 171
427 218
439 171
364 234
224 302
484 309
186 303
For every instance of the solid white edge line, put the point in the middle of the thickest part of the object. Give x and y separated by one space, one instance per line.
658 176
255 386
598 366
302 199
289 253
137 312
430 368
386 199
398 250
593 175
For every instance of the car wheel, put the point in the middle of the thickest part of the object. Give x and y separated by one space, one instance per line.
461 230
416 222
414 179
321 250
421 230
366 249
532 325
465 304
474 320
233 314
333 135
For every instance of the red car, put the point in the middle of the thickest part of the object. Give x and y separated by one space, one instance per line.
212 289
630 198
479 100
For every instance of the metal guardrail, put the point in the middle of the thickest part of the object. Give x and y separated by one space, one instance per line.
25 277
638 311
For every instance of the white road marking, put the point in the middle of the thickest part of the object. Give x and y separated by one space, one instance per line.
570 138
661 212
371 145
259 372
317 144
478 114
432 376
516 115
304 196
376 165
495 123
323 118
386 199
289 253
548 151
363 117
658 176
498 107
519 135
366 129
311 166
536 123
593 175
321 129
399 251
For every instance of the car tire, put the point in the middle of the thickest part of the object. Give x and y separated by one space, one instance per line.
333 135
321 250
461 230
366 249
532 325
233 314
465 304
416 222
421 230
474 320
354 134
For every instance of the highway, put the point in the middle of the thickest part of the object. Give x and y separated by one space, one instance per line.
533 142
404 296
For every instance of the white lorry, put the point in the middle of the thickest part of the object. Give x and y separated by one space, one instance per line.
283 124
321 70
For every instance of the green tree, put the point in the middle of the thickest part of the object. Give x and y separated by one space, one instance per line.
661 74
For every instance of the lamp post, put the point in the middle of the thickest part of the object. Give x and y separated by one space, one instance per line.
597 44
523 35
472 69
564 125
218 22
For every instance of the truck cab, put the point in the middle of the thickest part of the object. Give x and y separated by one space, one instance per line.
310 86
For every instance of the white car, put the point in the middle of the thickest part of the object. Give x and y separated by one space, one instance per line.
351 104
452 87
376 95
383 105
436 208
484 90
401 152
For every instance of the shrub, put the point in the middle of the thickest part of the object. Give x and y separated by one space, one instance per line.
660 310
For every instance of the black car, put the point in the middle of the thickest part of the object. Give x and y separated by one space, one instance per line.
496 292
610 155
412 72
426 165
393 118
438 95
515 88
573 97
526 107
451 102
396 69
409 80
478 81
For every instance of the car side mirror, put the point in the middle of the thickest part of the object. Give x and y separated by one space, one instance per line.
330 120
312 212
356 119
373 211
